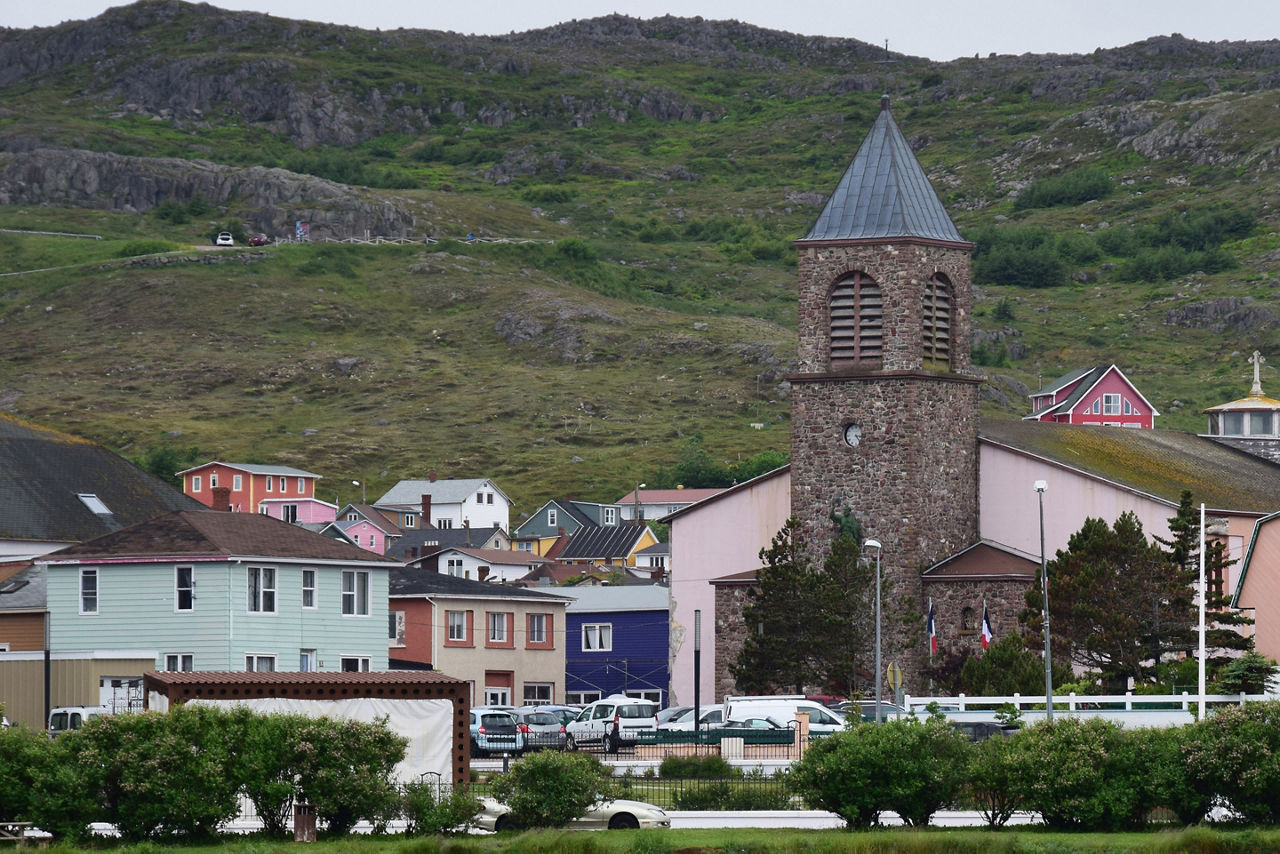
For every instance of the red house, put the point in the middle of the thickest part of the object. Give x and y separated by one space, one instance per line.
1102 396
278 491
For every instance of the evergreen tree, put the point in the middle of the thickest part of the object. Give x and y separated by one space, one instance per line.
807 627
1118 603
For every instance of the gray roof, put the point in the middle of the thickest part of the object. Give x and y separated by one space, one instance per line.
254 468
424 582
629 597
44 472
408 493
884 193
602 543
24 591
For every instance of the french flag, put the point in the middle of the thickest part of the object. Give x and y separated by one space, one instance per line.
986 627
933 635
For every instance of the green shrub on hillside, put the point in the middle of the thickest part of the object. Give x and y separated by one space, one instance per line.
1069 188
134 248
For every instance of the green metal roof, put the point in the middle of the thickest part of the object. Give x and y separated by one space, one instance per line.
1161 463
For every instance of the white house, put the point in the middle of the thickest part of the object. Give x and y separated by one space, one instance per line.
473 502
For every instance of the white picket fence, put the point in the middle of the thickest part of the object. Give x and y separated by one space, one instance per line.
1129 709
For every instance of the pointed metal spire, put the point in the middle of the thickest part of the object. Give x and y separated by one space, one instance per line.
884 193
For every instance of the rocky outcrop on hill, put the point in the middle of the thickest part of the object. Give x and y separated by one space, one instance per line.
269 200
1239 314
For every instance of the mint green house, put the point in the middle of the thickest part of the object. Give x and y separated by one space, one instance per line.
218 591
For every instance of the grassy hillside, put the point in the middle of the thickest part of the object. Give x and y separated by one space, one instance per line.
662 169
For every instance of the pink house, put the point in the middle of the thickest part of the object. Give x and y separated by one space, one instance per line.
368 527
277 491
1102 396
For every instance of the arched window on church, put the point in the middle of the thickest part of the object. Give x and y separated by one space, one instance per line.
937 320
968 622
857 321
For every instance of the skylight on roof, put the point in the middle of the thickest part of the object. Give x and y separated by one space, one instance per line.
94 503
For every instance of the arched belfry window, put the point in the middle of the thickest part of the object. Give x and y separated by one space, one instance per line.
937 320
857 320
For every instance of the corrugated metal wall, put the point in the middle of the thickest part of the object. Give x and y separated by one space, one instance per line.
73 682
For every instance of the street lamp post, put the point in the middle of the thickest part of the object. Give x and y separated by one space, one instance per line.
636 515
875 544
1040 487
362 493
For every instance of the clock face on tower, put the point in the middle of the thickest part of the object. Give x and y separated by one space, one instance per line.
852 435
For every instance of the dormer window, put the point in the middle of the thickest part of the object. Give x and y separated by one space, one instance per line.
937 320
857 321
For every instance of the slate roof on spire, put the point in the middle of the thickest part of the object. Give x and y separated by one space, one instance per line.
884 193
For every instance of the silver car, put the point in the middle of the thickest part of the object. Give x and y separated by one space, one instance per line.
540 729
612 815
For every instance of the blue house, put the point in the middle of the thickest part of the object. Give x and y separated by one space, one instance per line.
617 642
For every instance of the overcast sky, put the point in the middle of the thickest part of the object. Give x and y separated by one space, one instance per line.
933 28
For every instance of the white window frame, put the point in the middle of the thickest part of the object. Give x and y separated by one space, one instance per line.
497 629
307 660
551 516
395 628
179 588
260 589
453 565
237 482
537 628
597 637
284 484
269 484
302 486
457 626
362 663
1111 404
89 598
539 693
410 520
611 515
254 661
444 524
309 589
213 480
355 593
196 483
174 662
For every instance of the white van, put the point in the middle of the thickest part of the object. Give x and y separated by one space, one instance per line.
65 718
612 721
783 708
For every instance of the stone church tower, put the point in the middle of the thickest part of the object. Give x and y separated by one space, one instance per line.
884 414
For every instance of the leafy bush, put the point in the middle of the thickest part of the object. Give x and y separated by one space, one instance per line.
991 781
22 753
576 249
547 195
1067 771
1069 188
1236 754
344 770
548 789
1025 257
428 811
710 765
911 767
702 795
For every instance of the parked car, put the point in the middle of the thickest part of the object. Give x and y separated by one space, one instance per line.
888 711
612 722
613 815
564 713
711 716
671 713
224 238
540 729
982 730
757 724
259 240
822 720
494 731
66 718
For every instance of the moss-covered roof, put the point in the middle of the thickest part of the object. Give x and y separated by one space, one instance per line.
1162 463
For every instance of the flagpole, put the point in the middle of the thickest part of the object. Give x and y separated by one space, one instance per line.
1202 598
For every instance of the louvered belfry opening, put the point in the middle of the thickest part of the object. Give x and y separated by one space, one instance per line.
857 321
937 320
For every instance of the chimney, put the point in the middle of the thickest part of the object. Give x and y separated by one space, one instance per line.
482 573
426 510
221 499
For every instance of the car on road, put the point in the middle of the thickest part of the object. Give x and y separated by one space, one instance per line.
612 815
494 731
671 713
224 238
612 722
540 729
259 240
756 724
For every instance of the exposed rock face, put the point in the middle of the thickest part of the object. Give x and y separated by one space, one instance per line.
1239 314
270 200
